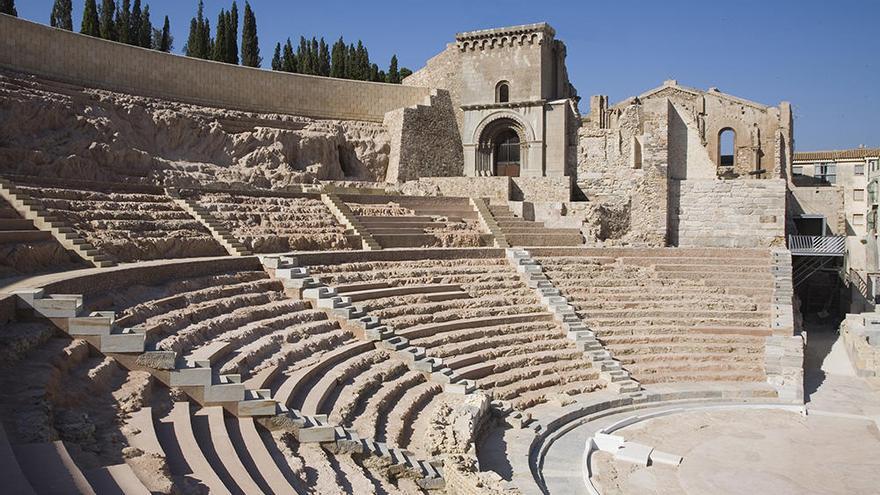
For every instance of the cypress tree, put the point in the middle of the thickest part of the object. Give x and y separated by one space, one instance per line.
288 62
108 21
90 21
351 65
337 68
199 44
374 73
191 49
206 40
123 23
314 57
404 73
363 61
8 7
276 58
219 54
165 41
303 60
134 24
250 43
62 15
393 73
323 58
232 34
145 31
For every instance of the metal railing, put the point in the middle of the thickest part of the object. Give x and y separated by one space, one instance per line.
817 245
861 285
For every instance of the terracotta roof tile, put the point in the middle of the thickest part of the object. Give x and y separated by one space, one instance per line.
837 154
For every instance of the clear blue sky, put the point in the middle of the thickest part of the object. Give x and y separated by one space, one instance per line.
821 55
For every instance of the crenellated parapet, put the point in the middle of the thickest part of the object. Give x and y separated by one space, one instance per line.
487 39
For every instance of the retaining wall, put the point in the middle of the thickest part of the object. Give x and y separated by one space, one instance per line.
70 57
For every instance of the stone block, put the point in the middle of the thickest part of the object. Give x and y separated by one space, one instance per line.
607 442
157 360
635 453
316 434
89 325
224 392
123 342
665 458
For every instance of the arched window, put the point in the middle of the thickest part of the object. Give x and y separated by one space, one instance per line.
502 92
726 147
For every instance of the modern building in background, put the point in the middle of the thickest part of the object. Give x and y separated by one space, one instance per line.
835 195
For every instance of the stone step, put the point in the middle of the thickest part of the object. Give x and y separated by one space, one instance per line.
15 223
24 236
118 478
49 469
544 239
403 290
430 329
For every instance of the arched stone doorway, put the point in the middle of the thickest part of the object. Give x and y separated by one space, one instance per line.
500 149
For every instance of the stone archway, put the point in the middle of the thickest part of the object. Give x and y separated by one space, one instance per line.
501 149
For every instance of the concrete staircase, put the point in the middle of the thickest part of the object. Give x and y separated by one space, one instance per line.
217 230
611 372
521 232
489 223
344 215
31 209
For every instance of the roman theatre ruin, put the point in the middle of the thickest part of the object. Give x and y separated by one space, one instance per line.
281 283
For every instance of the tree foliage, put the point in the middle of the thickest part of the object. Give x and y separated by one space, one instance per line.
62 15
8 7
250 42
343 61
108 20
90 21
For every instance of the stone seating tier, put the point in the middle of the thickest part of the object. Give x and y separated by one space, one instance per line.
670 317
128 226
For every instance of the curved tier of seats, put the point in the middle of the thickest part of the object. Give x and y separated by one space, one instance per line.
273 224
128 226
687 317
476 315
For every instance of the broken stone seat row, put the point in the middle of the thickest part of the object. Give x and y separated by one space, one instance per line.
339 302
224 392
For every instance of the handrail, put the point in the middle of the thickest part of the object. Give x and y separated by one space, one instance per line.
817 245
861 284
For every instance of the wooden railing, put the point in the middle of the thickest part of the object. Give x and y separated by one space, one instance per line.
817 245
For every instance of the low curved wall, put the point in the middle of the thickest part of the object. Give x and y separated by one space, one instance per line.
62 55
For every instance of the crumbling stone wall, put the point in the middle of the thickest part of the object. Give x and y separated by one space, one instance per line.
74 132
425 141
727 213
622 162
